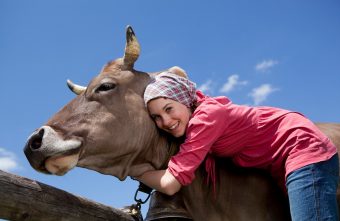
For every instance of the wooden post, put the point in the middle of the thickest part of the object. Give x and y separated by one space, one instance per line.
25 199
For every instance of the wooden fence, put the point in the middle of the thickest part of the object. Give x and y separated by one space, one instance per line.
25 199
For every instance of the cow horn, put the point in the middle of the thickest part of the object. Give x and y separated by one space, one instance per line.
132 48
77 89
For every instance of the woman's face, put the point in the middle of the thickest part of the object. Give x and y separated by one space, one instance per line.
169 115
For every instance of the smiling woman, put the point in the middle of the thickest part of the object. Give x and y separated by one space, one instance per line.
302 160
170 116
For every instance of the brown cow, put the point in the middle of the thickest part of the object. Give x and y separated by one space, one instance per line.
106 128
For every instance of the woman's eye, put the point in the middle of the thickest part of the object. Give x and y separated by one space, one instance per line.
168 109
155 118
105 87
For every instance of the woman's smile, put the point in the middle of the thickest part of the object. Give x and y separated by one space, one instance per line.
175 129
174 126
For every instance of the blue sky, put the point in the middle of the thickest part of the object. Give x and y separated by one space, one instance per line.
274 53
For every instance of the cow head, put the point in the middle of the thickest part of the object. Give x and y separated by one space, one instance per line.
106 128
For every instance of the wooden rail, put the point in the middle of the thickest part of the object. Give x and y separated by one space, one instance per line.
25 199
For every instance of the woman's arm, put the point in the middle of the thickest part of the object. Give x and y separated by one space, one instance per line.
161 180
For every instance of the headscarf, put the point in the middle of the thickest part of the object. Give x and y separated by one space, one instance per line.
169 85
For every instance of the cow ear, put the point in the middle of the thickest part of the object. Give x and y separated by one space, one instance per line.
178 71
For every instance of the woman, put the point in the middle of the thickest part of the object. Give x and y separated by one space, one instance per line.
285 143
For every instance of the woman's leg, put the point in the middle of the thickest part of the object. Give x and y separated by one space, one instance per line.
312 191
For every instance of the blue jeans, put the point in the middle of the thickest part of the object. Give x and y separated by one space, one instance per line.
312 191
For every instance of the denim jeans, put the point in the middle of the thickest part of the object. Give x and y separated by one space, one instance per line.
312 191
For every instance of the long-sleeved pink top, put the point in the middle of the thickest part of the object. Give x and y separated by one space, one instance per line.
274 139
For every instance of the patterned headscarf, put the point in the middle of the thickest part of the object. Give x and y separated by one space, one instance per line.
171 86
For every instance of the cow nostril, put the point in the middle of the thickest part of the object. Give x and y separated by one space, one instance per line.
36 140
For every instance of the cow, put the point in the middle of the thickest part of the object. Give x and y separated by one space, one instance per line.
106 128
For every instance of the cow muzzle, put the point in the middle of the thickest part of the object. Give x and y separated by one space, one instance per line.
49 153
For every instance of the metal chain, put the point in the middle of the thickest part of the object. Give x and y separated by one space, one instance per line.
135 209
145 189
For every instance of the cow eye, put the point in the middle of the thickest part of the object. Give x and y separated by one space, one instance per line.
105 87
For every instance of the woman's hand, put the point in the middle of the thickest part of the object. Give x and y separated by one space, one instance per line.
161 180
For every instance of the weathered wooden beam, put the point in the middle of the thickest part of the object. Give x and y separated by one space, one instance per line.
25 199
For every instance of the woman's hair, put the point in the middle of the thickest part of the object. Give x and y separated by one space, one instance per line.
169 85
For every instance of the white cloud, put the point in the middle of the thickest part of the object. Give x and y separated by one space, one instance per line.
232 82
265 65
261 93
206 87
7 160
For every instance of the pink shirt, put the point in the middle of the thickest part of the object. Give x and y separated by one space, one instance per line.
277 140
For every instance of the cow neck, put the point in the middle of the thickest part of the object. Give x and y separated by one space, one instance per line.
172 150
